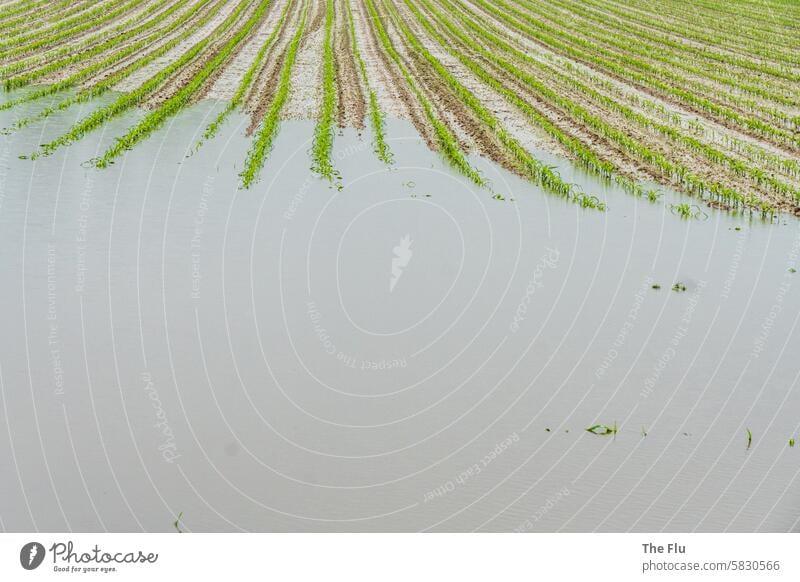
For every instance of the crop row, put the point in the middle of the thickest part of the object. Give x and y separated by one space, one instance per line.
14 8
447 142
376 116
265 136
323 133
45 19
738 167
64 30
585 155
700 31
692 61
762 22
661 116
246 82
665 44
128 100
188 27
108 46
11 22
670 170
635 70
174 104
621 92
98 42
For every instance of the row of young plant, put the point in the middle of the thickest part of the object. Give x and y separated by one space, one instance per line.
738 167
762 12
376 116
44 18
496 69
672 130
764 23
247 80
728 195
322 145
701 31
32 14
262 144
646 41
188 27
155 119
446 141
65 30
787 166
268 130
68 17
115 46
660 164
625 67
587 158
591 78
128 100
721 15
75 46
533 169
766 92
693 61
12 12
697 80
12 9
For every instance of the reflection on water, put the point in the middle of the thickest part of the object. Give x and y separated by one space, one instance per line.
405 354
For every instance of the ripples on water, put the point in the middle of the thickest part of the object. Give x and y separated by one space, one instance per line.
404 354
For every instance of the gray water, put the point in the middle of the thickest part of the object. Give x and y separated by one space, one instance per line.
170 343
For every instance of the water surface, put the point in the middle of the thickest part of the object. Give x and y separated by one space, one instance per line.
170 343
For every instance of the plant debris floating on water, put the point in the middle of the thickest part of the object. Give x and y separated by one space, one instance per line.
687 211
177 523
603 429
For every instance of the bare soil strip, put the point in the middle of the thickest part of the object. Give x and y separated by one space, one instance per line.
351 107
225 86
209 10
148 71
263 91
306 79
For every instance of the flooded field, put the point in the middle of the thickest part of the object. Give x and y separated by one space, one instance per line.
406 353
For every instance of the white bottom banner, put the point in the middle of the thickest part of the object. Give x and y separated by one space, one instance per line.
401 557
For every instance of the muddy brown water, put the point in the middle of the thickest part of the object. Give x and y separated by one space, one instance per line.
404 354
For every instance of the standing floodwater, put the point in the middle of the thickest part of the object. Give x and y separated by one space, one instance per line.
407 353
